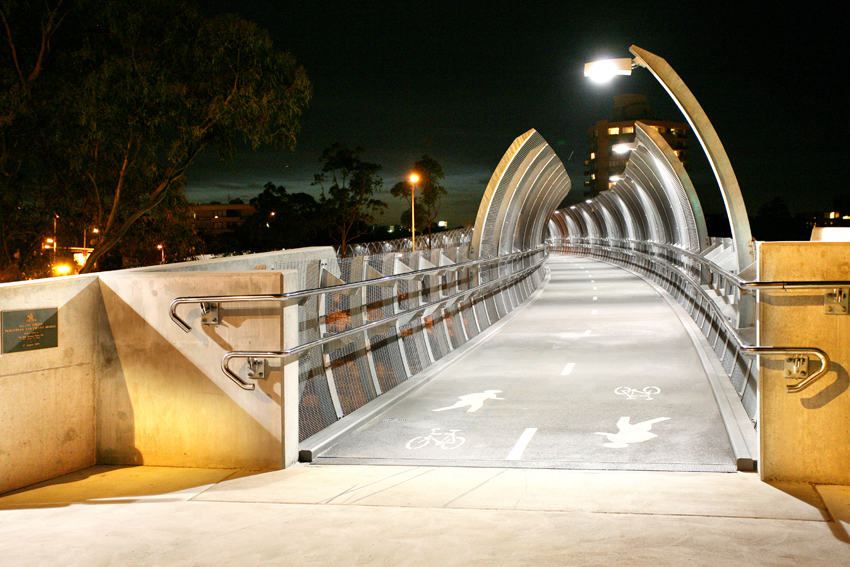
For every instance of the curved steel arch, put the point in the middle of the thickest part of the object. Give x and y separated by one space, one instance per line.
521 196
714 150
654 202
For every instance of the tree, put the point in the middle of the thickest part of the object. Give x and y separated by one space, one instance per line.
283 220
429 193
349 206
107 121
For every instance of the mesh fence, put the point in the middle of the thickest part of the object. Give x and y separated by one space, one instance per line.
337 378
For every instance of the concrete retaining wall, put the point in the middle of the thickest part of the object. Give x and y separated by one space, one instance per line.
127 386
47 396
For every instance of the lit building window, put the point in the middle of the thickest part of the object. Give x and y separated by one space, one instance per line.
613 131
628 129
592 155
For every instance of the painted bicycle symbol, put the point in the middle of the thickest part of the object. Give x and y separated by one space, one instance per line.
633 393
442 440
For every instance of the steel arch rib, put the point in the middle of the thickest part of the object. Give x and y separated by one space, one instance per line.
520 197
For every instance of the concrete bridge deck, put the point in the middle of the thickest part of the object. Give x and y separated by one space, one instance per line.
597 371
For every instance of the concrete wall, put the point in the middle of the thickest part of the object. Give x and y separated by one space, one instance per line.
47 396
127 386
246 262
164 400
805 437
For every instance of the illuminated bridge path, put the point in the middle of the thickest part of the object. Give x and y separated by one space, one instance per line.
599 370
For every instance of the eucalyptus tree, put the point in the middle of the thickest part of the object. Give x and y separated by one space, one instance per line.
428 192
127 95
348 188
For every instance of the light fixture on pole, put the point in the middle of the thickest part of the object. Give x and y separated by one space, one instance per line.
605 70
414 179
601 71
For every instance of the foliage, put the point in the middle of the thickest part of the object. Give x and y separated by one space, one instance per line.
429 193
775 223
348 185
283 220
104 104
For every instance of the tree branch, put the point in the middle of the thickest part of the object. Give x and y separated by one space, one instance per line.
14 52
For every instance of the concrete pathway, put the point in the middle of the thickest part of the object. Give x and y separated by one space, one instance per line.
420 516
598 372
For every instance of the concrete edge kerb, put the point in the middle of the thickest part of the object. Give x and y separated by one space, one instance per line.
311 447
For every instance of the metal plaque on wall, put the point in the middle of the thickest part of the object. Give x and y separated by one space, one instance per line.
30 329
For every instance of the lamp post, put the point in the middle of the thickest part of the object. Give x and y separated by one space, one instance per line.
600 71
414 179
161 249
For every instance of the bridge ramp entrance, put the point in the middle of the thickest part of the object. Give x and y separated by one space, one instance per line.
596 372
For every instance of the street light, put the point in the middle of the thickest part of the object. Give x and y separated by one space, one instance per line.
606 69
703 130
162 251
414 179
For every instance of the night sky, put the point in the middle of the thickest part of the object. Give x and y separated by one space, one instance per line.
460 80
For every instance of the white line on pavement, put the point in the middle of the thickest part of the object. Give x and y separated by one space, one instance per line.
567 369
521 444
593 312
587 333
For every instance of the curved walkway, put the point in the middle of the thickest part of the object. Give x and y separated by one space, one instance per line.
597 372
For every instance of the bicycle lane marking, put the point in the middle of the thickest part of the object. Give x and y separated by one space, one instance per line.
521 444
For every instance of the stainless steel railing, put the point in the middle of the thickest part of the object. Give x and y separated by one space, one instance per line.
745 285
409 314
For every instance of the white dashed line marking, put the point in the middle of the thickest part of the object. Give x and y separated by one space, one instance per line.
568 368
521 444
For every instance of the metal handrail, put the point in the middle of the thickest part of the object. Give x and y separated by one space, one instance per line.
304 294
744 285
743 346
365 327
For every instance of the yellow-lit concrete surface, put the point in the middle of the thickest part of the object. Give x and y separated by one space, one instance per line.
373 515
803 436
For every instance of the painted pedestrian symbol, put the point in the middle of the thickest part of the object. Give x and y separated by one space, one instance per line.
442 440
634 393
631 432
474 401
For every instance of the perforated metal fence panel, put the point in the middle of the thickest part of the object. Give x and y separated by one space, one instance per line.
339 377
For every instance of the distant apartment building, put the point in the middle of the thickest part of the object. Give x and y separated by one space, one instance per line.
218 218
603 163
839 216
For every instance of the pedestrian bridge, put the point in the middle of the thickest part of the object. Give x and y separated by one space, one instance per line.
612 334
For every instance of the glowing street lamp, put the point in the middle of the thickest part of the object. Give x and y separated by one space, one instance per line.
601 71
605 70
162 251
623 148
414 179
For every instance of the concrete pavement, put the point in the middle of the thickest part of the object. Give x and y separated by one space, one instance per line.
418 516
